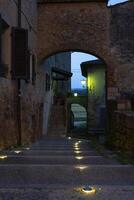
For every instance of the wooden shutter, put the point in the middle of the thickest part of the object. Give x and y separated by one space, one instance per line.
20 55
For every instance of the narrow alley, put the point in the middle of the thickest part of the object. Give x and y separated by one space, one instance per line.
59 168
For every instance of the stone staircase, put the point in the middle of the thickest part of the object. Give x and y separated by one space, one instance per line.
57 168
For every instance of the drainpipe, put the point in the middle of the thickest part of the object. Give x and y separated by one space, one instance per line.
0 39
19 84
106 103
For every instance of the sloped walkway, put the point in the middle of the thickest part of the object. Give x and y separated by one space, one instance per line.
57 168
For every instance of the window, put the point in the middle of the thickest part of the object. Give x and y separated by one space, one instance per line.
20 55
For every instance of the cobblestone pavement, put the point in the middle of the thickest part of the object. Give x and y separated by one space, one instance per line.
58 169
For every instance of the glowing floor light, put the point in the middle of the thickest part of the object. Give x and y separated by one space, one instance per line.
17 152
79 157
27 148
88 190
81 167
77 148
77 152
2 157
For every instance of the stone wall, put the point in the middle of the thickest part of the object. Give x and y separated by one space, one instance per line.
122 44
122 131
9 113
120 124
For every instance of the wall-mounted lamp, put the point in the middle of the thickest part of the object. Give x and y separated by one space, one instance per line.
83 83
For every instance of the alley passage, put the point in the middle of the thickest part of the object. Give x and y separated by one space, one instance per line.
58 168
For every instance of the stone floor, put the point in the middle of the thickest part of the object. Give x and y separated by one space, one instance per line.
58 169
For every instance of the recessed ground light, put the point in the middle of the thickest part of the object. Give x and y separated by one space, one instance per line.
69 138
77 148
3 157
88 189
27 148
79 157
81 167
76 145
17 152
77 152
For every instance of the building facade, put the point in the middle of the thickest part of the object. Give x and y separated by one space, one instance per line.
26 87
17 19
57 74
95 72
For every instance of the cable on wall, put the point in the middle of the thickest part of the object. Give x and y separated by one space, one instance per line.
29 24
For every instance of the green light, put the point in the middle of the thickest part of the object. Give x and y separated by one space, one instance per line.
90 82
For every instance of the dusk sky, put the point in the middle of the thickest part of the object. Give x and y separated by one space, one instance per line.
78 58
112 2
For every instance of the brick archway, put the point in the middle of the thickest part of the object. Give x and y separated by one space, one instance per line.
65 26
92 27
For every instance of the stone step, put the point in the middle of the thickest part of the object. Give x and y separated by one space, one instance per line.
64 145
60 148
27 175
67 193
57 153
68 160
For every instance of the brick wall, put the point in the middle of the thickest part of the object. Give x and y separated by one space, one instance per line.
93 28
122 44
122 131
